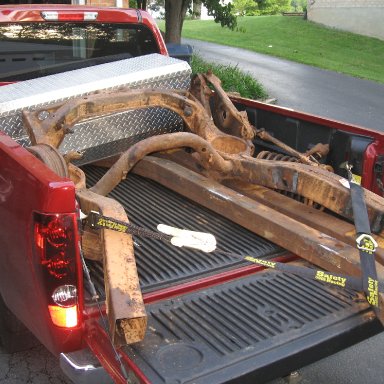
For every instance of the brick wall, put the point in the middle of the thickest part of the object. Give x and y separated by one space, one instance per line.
364 17
345 3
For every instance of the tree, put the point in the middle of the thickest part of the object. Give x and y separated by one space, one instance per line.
273 7
245 7
176 10
196 9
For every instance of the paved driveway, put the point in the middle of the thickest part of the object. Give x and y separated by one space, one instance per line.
36 366
306 88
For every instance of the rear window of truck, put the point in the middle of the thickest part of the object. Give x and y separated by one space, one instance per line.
30 50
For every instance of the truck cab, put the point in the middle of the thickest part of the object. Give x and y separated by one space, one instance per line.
39 41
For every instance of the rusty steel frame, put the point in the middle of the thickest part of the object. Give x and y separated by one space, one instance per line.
224 113
231 121
303 240
315 184
306 214
125 306
209 157
221 142
50 125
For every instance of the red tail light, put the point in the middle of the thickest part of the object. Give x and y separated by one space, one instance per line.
56 243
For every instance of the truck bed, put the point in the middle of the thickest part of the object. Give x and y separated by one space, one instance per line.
259 327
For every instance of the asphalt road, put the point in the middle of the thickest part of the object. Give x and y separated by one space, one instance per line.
302 88
306 88
35 366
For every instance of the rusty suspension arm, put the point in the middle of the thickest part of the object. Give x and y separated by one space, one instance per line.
302 158
50 125
209 157
231 121
313 183
224 113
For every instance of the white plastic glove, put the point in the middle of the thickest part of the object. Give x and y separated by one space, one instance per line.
206 242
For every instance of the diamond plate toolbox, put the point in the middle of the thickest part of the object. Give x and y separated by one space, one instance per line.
106 135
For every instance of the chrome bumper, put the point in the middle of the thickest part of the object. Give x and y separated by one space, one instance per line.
82 367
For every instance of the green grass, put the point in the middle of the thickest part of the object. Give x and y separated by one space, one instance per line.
232 79
299 40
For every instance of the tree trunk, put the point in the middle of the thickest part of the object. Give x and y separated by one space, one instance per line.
142 4
197 9
175 11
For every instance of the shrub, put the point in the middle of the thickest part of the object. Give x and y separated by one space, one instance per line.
232 78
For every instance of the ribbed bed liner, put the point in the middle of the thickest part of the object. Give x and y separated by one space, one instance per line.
246 331
148 204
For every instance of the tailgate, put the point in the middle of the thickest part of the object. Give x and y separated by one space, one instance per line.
249 330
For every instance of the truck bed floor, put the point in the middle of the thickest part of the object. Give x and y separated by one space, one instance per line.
159 264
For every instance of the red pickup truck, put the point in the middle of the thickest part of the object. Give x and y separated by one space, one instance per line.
190 315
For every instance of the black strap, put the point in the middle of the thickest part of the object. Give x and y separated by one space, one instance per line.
98 221
335 279
365 243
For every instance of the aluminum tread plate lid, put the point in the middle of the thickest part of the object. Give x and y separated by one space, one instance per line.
104 136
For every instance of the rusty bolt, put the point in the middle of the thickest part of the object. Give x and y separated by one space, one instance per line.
187 111
43 115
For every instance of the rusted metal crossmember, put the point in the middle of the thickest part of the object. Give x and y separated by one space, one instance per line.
317 246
